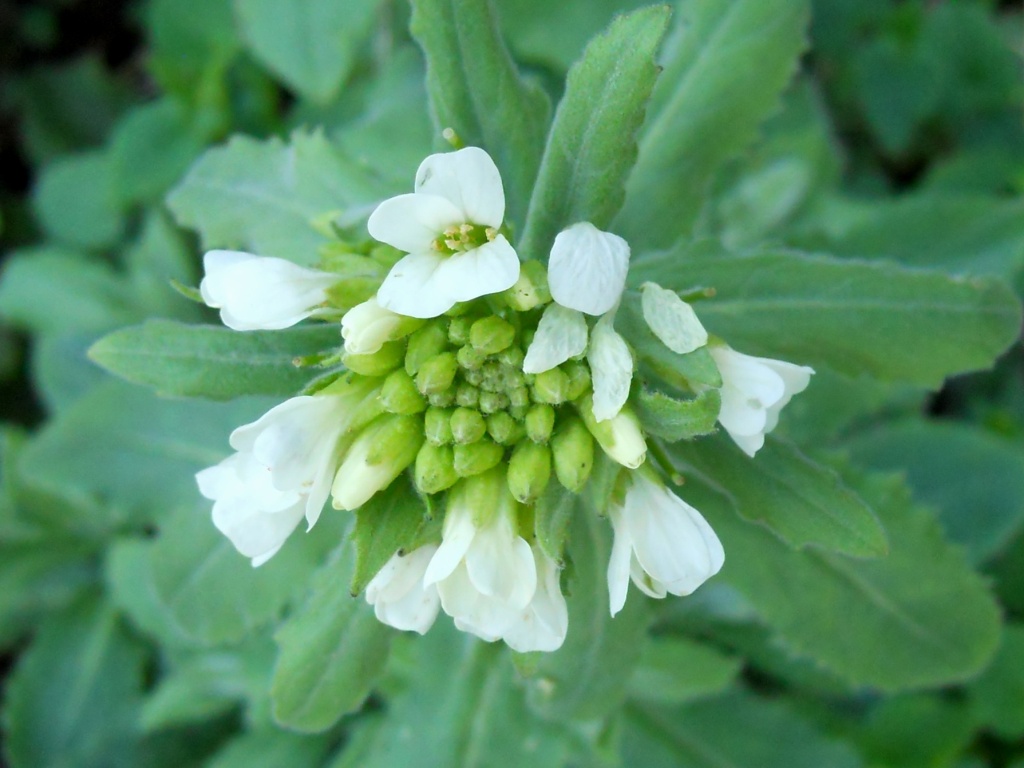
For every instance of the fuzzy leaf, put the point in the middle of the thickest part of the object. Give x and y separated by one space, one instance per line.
673 419
387 523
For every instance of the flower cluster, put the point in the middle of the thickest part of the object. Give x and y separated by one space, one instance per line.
485 380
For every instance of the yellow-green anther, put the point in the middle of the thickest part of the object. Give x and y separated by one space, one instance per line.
458 330
444 399
529 471
435 468
478 457
378 455
427 343
504 429
380 363
531 289
572 447
492 402
399 394
468 425
540 420
519 397
437 425
467 395
469 359
579 378
490 335
551 387
436 374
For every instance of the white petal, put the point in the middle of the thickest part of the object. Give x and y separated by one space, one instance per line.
459 532
646 583
367 326
611 368
501 566
561 334
671 319
255 533
399 596
410 287
491 268
486 617
587 268
412 222
544 623
618 561
470 180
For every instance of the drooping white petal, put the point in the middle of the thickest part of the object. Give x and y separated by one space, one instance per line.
618 561
459 532
671 319
411 223
261 292
410 287
500 565
544 623
367 326
796 379
486 617
587 268
470 180
398 595
611 368
491 268
561 334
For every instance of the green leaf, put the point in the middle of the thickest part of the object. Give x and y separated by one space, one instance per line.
332 651
591 145
801 502
738 729
997 696
723 79
271 748
915 731
919 617
587 677
388 522
675 670
459 707
311 44
974 479
211 361
856 317
74 696
672 419
552 515
476 90
75 201
264 196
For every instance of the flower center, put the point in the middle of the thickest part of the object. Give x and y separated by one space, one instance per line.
460 238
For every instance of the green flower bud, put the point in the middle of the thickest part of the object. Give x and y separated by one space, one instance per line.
352 291
540 420
425 344
490 335
458 331
476 378
437 424
621 437
467 395
478 457
531 289
519 397
444 399
469 359
435 468
492 402
573 451
512 379
579 378
399 394
512 357
529 471
380 363
504 429
551 387
377 456
518 412
468 425
436 374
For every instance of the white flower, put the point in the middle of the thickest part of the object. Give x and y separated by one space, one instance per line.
754 391
367 326
398 595
586 274
261 292
661 542
544 623
484 571
282 472
449 228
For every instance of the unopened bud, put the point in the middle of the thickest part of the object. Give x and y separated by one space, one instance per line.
504 429
490 335
519 397
621 436
380 363
573 450
469 359
492 402
425 344
468 425
435 468
476 378
478 457
377 456
529 471
513 357
467 395
531 289
399 394
436 374
445 399
579 378
540 420
458 331
437 424
551 387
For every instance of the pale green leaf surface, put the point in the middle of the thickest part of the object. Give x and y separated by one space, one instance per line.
271 748
675 670
721 80
915 731
592 142
75 201
997 696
